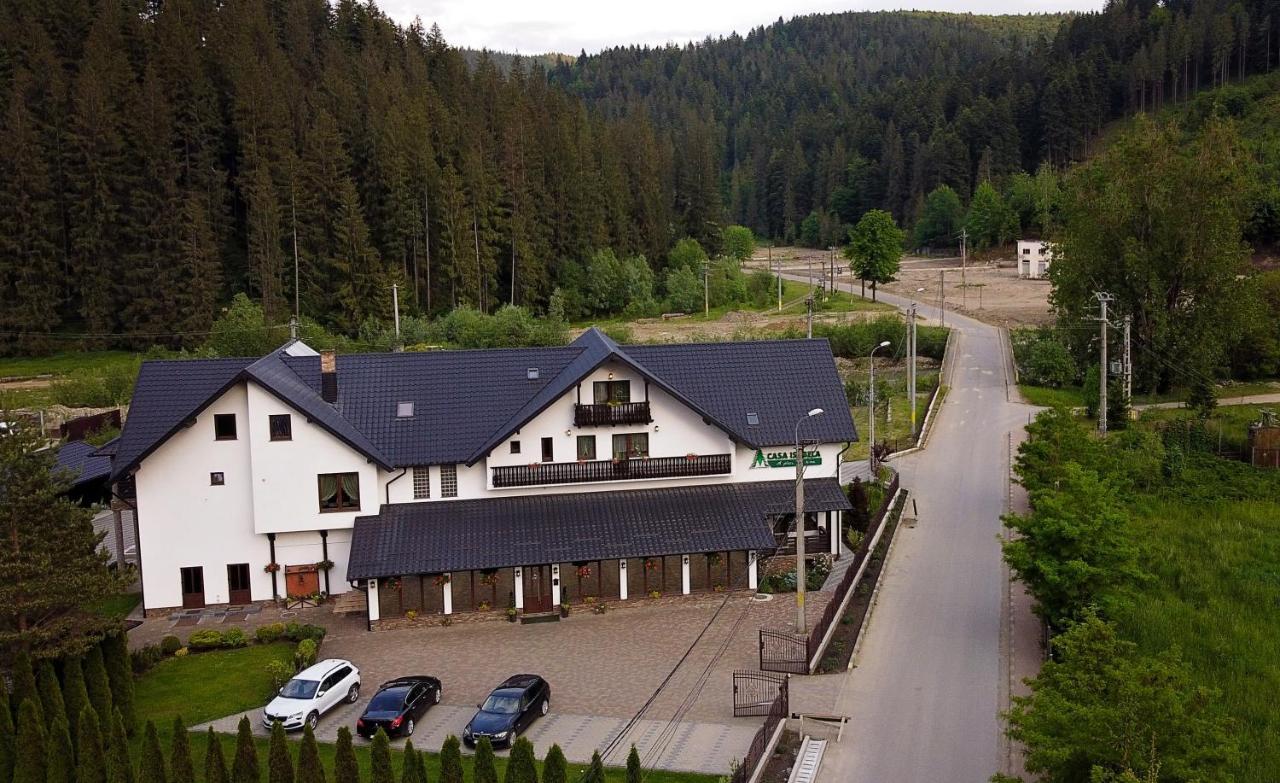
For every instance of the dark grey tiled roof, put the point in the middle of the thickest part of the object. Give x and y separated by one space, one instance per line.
466 402
80 461
461 535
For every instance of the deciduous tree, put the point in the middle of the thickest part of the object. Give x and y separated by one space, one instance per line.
875 248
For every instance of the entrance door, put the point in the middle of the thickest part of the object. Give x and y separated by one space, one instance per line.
193 587
238 583
537 589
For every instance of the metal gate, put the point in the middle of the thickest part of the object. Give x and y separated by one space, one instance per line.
758 694
784 652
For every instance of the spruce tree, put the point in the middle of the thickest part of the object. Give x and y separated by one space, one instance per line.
119 765
181 767
60 764
29 766
24 684
634 773
50 694
451 760
310 768
98 685
75 695
91 764
115 655
483 769
6 737
152 768
555 769
215 764
279 765
522 765
380 759
345 768
411 765
244 767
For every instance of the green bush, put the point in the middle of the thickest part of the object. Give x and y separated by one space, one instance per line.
170 644
234 637
296 632
207 639
306 654
143 658
272 632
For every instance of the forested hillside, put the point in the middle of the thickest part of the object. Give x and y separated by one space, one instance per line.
832 115
157 158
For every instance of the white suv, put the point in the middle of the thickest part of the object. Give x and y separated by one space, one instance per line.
312 692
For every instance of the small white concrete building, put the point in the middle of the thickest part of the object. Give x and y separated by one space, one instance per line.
1034 256
455 481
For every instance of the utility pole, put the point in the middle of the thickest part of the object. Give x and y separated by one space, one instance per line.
706 288
964 268
293 206
395 308
1128 359
911 364
871 411
1103 300
802 625
293 327
779 273
808 303
942 297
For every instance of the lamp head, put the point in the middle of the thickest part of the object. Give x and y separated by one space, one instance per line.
884 344
816 412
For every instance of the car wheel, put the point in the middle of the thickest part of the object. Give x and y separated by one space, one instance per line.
435 697
408 729
353 695
546 705
313 719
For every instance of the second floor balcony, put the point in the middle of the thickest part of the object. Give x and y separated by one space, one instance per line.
545 473
611 413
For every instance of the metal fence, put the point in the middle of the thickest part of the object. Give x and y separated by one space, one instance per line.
784 652
755 694
777 713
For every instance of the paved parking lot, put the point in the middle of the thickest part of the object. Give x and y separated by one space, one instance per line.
604 672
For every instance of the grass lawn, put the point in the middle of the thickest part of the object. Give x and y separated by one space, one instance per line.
895 426
204 686
1067 397
1073 396
63 363
118 605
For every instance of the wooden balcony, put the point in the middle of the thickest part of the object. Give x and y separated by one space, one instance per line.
607 415
607 470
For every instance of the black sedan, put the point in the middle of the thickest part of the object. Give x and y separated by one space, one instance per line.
398 705
509 710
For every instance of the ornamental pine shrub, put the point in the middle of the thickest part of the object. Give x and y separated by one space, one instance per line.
115 656
451 760
215 764
279 765
75 696
244 767
91 764
634 773
522 766
181 768
310 769
413 770
6 737
99 687
555 769
29 764
345 768
484 769
24 684
380 759
119 765
51 703
60 759
152 767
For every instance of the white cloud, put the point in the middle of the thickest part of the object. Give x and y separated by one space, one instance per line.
570 26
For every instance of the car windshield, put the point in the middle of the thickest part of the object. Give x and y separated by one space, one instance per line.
299 689
390 699
502 703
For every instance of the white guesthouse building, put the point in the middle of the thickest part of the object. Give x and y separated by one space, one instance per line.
460 481
1034 257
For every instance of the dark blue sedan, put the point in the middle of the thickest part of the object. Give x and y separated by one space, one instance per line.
513 705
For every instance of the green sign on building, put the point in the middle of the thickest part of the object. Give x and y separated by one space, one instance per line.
784 459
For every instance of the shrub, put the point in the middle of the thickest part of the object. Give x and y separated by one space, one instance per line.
306 654
170 644
182 652
279 672
144 658
266 634
234 637
207 639
296 632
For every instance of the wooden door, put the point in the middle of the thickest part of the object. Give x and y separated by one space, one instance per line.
537 589
238 591
193 587
301 580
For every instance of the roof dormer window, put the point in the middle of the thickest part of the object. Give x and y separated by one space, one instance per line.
404 410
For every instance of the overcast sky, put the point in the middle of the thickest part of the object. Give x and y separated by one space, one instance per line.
570 26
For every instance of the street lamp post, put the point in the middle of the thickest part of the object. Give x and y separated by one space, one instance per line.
801 624
871 418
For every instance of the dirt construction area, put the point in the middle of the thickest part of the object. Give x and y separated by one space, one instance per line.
989 289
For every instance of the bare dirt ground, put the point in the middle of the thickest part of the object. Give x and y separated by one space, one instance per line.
989 290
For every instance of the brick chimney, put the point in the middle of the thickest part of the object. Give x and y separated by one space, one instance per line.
329 376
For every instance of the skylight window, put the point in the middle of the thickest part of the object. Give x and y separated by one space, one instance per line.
404 410
532 373
753 419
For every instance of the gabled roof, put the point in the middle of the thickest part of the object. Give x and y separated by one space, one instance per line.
81 462
463 535
467 402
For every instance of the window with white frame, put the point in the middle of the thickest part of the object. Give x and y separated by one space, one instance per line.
421 482
448 481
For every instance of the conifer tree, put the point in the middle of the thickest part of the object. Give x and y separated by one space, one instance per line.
6 737
60 764
119 765
634 773
345 768
24 684
75 695
451 760
152 769
215 764
522 765
91 766
310 769
115 655
51 704
595 772
244 767
380 759
181 767
279 765
98 685
555 769
29 764
483 769
411 769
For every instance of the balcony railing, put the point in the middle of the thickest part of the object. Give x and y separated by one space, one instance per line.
608 470
606 414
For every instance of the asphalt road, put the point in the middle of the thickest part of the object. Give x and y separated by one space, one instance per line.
933 672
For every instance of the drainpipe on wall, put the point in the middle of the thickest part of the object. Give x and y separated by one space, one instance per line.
394 480
275 591
324 549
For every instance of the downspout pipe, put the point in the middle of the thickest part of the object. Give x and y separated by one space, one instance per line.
275 590
394 480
